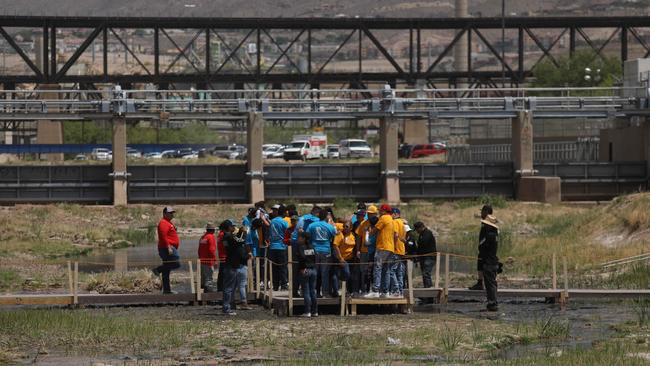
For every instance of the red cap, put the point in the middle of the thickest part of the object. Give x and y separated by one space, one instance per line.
385 208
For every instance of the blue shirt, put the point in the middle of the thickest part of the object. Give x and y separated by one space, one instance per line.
306 218
353 219
278 227
321 234
251 236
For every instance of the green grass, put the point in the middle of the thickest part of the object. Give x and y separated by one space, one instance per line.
8 278
608 355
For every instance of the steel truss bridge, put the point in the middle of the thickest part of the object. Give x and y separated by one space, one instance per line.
322 105
354 52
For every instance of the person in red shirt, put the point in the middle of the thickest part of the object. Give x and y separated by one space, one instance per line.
168 243
208 256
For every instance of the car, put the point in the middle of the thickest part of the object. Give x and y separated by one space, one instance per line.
153 155
278 154
80 157
101 153
133 153
168 154
233 151
269 149
354 148
182 153
332 151
193 155
423 150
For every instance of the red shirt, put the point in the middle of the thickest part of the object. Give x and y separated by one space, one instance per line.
167 235
221 247
208 249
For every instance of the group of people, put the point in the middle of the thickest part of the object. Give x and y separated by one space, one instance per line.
368 250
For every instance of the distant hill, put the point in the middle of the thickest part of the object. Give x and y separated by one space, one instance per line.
315 8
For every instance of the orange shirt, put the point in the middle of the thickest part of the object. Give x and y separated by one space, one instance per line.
361 232
386 235
167 235
346 245
400 249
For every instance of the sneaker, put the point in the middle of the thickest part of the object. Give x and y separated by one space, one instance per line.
371 295
383 295
478 286
306 315
232 313
314 315
155 271
394 296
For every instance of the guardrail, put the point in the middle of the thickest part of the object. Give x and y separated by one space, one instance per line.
564 151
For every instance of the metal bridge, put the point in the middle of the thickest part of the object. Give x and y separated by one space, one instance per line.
70 105
310 51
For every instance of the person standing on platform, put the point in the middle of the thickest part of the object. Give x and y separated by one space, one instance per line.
383 266
307 268
400 252
278 252
344 246
208 256
168 243
235 269
321 235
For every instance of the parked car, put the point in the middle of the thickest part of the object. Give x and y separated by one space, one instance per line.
269 149
153 155
428 150
101 153
133 153
354 148
278 154
333 151
233 151
80 157
182 153
169 154
192 155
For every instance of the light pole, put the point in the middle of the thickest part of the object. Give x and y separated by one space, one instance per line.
503 43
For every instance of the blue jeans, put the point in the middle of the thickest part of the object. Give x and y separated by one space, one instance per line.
344 273
399 268
170 263
365 269
323 264
381 272
241 283
231 282
308 283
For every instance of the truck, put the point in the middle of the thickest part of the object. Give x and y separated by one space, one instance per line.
304 147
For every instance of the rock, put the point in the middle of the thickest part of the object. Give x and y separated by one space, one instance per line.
394 341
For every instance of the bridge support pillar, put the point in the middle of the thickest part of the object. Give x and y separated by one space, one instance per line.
120 184
388 136
529 187
47 131
255 139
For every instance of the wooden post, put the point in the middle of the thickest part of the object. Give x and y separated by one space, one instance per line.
199 290
565 297
271 283
257 277
75 298
191 277
266 279
290 269
554 272
437 283
343 303
445 292
249 275
409 274
70 279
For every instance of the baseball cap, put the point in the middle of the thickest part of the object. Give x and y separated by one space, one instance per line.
209 226
275 207
360 212
168 209
396 210
372 209
385 208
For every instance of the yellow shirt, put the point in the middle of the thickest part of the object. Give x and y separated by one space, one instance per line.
288 220
346 245
386 235
401 236
361 232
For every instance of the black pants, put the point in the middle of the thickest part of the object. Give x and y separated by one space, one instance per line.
426 265
490 282
279 267
170 263
296 273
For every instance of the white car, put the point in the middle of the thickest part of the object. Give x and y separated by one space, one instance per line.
278 154
170 154
133 153
332 151
153 155
354 148
269 149
193 155
101 153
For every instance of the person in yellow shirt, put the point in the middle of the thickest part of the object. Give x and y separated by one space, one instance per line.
367 237
382 272
400 251
344 253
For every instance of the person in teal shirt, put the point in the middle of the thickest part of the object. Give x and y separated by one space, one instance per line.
278 253
321 236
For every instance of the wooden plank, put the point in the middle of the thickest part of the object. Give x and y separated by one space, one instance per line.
191 277
301 301
445 292
36 300
378 301
290 269
270 284
199 290
75 293
70 280
437 282
565 295
249 275
554 262
409 275
343 291
353 309
148 299
257 277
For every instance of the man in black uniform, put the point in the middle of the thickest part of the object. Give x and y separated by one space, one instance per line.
487 253
485 211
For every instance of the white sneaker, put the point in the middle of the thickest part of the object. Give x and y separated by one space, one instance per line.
395 296
306 315
371 295
383 295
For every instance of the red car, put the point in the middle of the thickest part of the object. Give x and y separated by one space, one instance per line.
428 149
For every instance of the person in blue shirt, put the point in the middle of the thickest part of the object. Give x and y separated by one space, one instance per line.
354 219
278 252
321 235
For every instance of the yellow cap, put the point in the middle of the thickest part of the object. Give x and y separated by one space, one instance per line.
372 209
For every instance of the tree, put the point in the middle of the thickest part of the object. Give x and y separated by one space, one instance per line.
571 71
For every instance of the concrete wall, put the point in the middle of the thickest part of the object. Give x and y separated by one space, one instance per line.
623 144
